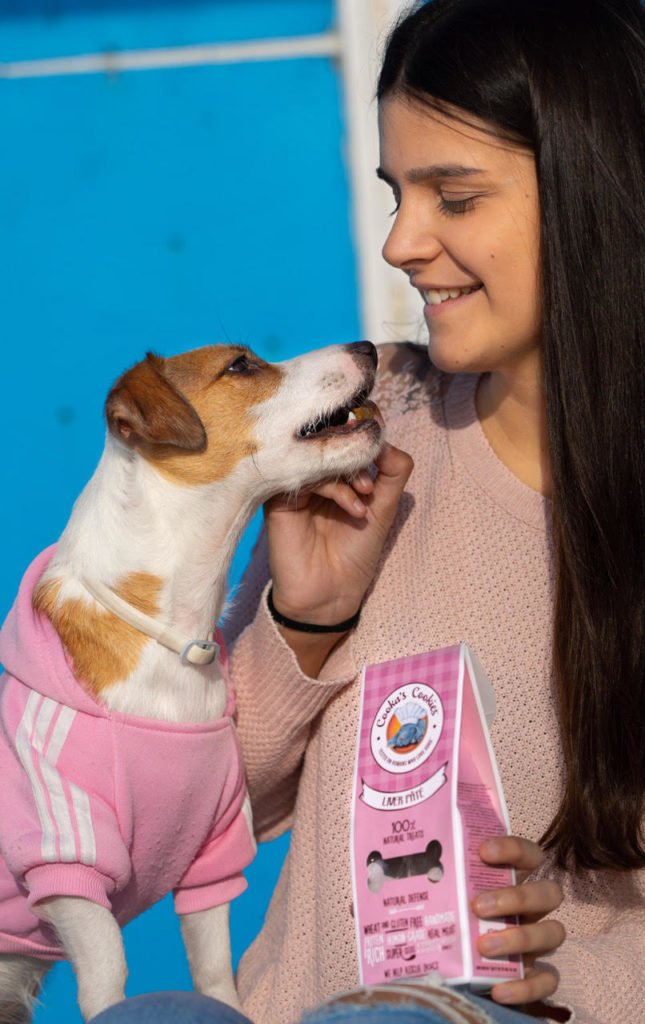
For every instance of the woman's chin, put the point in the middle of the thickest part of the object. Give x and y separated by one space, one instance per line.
453 360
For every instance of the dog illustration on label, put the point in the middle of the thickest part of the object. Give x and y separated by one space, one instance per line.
410 724
427 863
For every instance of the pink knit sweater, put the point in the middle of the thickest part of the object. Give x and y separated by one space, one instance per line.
469 559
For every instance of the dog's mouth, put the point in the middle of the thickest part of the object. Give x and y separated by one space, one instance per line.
359 414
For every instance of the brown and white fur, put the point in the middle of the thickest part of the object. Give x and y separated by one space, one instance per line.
195 444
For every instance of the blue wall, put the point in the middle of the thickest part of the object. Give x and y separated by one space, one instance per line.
164 210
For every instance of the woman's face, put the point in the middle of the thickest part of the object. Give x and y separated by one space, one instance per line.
466 232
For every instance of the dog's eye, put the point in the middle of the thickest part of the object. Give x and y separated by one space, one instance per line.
241 365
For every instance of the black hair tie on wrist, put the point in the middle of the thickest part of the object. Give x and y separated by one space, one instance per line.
309 627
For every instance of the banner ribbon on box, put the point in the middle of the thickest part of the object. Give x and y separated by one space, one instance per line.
381 801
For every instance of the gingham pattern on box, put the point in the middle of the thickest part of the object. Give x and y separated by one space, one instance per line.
437 669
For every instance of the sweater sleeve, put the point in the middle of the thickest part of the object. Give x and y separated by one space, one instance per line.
602 976
276 702
56 837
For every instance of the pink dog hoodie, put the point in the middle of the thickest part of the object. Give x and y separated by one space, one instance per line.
114 808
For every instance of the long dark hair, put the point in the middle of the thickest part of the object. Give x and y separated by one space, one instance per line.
565 77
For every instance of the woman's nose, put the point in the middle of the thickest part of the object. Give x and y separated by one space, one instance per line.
409 242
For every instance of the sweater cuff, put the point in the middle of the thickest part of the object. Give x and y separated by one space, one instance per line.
203 897
68 880
262 654
339 668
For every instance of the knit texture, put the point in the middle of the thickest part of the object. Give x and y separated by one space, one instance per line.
468 558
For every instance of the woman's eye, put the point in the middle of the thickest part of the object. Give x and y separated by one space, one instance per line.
456 206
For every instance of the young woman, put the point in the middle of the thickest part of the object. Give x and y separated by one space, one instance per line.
512 140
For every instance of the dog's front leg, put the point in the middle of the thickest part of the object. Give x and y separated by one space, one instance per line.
93 943
208 946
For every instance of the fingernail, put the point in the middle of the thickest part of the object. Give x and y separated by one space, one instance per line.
492 848
359 506
486 903
503 996
493 944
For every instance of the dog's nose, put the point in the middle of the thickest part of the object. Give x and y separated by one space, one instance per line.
363 348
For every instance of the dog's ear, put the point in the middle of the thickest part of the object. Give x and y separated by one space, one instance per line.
143 406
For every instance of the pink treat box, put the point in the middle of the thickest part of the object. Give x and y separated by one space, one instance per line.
426 793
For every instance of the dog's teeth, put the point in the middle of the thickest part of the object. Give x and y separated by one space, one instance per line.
362 409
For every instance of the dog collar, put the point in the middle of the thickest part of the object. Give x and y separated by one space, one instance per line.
191 652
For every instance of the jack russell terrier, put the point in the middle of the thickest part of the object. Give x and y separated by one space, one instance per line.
121 772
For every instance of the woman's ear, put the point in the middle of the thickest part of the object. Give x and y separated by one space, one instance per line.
144 407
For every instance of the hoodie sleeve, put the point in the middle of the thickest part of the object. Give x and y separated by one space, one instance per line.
56 837
215 876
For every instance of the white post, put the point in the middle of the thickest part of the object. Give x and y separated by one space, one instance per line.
390 309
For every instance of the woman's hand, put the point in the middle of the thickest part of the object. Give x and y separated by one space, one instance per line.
531 901
324 546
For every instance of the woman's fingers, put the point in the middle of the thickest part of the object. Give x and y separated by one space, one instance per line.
343 495
393 470
528 939
531 941
512 851
337 491
537 984
324 543
394 466
532 900
363 482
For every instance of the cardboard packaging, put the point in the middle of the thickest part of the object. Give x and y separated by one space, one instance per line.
427 792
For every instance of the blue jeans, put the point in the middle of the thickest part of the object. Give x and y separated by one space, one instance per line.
191 1008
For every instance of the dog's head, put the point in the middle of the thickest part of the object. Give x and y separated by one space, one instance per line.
221 412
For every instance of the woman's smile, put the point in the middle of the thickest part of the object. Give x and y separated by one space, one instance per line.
438 301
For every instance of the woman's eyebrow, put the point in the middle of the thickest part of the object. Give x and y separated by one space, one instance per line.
417 174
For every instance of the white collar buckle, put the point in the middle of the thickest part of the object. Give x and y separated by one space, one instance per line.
199 652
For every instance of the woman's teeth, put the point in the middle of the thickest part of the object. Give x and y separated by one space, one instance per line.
434 298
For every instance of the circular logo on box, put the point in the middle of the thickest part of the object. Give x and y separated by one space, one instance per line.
406 728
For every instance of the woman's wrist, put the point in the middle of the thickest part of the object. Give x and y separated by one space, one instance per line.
311 649
302 625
